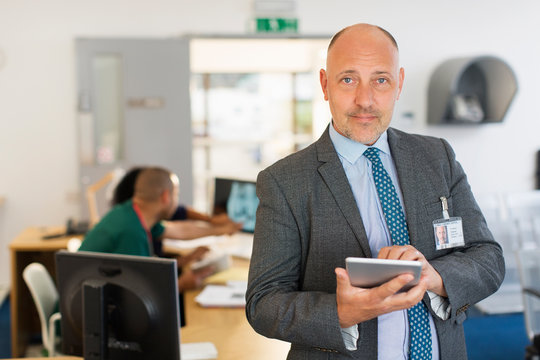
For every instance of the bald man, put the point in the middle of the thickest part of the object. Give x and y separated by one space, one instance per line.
322 205
130 227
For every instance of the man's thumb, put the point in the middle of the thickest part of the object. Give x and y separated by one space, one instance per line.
341 276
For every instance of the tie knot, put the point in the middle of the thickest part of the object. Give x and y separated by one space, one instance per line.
372 154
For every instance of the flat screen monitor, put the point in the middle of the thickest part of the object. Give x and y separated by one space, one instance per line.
118 306
238 199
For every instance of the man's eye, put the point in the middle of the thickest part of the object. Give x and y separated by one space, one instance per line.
347 80
381 80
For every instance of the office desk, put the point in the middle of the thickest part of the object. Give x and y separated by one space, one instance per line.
228 329
52 358
25 249
230 332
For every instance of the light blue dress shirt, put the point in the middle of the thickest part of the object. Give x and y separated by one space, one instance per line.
393 328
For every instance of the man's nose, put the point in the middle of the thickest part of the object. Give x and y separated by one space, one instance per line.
364 95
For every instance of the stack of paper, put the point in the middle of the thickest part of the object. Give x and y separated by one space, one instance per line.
226 276
231 295
198 351
174 244
217 259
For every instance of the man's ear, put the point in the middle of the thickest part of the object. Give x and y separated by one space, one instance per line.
324 83
401 78
165 197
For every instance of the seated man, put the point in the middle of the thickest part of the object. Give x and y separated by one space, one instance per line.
131 227
125 189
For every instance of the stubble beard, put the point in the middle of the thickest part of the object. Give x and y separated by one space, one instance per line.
359 132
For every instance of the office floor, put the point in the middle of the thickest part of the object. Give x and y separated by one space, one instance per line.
495 337
5 331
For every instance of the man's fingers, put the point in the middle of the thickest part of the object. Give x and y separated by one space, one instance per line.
395 252
387 289
393 286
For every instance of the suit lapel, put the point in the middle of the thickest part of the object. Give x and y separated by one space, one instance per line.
407 167
333 175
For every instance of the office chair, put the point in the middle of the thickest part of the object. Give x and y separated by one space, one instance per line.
45 295
522 205
508 299
529 272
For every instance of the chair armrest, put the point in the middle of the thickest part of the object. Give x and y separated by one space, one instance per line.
52 332
532 291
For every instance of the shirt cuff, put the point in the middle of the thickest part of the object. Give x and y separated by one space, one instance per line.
350 337
440 305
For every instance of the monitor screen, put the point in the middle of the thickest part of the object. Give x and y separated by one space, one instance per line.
238 199
118 306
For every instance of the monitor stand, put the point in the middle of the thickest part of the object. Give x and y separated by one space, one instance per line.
95 335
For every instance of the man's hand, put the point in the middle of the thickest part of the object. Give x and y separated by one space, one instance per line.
193 279
408 252
195 255
228 228
356 305
220 219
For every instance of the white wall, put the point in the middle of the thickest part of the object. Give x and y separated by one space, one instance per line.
38 152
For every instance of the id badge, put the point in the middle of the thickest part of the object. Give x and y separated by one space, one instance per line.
448 231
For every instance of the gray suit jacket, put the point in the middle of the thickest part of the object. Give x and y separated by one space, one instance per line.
308 223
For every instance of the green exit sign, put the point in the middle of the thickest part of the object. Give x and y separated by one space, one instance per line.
277 25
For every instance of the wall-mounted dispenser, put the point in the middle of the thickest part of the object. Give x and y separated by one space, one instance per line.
472 90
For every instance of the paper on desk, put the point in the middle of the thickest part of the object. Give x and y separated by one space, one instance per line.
230 295
192 244
231 274
198 351
219 260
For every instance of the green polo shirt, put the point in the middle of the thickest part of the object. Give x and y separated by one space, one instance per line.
120 232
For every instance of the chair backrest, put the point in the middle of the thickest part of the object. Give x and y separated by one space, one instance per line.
522 205
493 207
45 295
529 273
506 233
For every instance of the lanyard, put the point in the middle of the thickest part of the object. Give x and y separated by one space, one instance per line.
143 223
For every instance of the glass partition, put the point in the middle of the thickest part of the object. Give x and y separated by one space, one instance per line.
253 102
108 108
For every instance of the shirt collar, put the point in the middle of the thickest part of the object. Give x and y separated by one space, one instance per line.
351 150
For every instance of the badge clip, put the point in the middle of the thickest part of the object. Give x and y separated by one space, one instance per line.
444 202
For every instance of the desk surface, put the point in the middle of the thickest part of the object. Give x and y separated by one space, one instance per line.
51 358
227 328
31 239
230 332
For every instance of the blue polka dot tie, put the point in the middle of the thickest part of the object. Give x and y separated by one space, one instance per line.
419 328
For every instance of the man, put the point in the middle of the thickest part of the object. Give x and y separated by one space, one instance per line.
130 227
125 189
321 205
195 226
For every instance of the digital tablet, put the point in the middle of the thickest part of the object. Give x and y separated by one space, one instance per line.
368 272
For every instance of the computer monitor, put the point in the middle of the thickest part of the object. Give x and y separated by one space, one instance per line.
118 306
238 199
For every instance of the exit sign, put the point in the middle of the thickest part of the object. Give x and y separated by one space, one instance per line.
277 25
